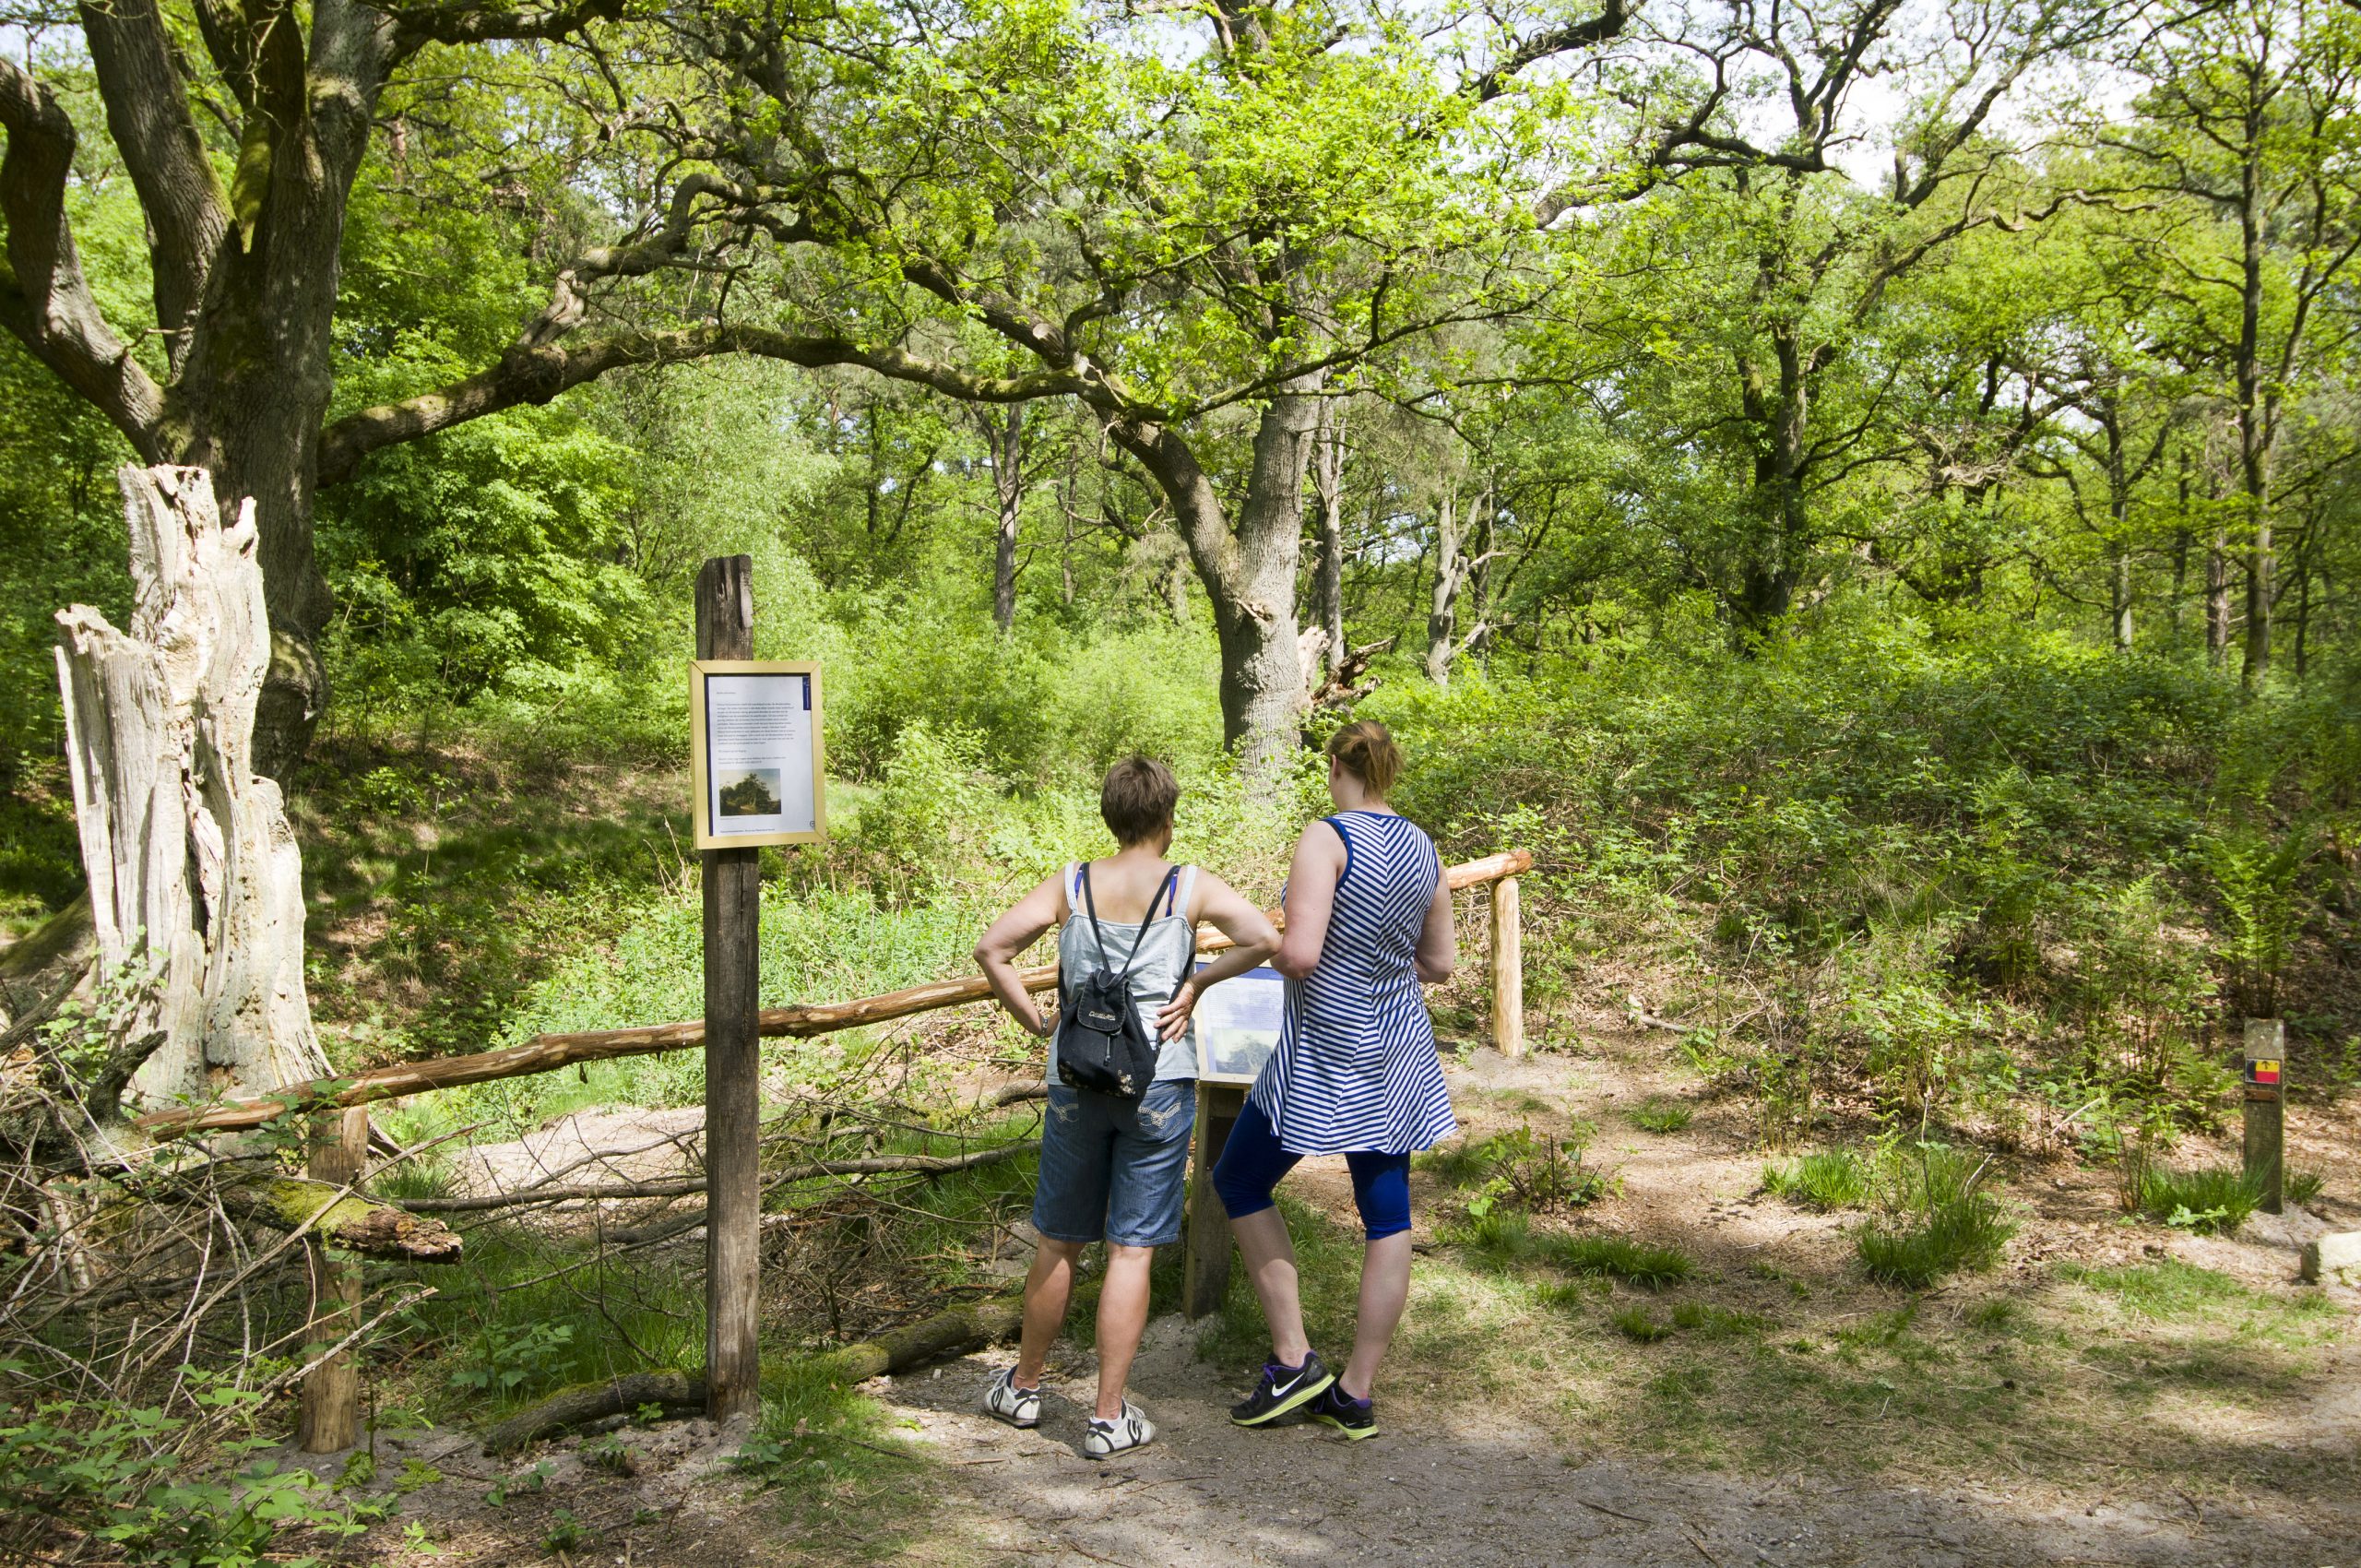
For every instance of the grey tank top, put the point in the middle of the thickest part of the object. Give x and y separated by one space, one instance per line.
1167 955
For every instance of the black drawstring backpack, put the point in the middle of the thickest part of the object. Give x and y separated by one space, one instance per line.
1102 1046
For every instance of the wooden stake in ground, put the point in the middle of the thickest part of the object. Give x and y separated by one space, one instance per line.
733 1063
331 1412
1205 1248
2266 1108
1508 968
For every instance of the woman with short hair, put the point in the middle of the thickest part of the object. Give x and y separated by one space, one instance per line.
1115 1168
1355 1072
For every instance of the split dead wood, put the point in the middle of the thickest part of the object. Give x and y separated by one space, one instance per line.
547 1053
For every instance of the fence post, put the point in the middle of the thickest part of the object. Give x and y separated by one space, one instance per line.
725 610
1508 968
2266 1072
1205 1250
329 1420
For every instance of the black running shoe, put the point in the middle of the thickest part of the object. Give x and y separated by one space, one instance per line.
1357 1418
1281 1390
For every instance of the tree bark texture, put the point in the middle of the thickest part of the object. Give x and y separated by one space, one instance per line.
1328 582
1008 489
1249 570
194 870
1451 575
733 1063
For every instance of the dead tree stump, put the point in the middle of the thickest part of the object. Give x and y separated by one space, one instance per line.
195 875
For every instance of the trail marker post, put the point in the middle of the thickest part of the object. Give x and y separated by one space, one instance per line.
725 608
2266 1109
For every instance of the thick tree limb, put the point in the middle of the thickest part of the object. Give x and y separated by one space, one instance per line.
1601 29
536 375
148 116
459 22
341 1217
45 299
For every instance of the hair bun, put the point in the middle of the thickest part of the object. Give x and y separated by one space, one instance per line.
1365 750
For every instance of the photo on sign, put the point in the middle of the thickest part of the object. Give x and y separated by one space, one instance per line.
752 792
1237 1025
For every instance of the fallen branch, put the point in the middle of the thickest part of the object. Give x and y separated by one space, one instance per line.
341 1217
547 1053
947 1333
675 1393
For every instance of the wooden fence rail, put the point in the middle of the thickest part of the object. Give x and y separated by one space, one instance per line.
547 1053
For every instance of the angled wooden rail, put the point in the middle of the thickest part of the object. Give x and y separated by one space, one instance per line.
547 1053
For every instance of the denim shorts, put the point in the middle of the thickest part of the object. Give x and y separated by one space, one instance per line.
1115 1169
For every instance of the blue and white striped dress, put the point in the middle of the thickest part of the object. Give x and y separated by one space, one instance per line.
1356 1066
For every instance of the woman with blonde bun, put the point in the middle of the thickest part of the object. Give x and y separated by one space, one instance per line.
1355 1072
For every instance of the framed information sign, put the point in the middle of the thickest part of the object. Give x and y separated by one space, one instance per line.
1237 1025
757 764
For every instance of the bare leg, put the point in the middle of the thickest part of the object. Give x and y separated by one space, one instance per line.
1385 1290
1122 1315
1049 1284
1269 1252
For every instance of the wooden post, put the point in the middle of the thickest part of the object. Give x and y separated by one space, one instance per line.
330 1417
725 601
2266 1072
1508 968
1205 1276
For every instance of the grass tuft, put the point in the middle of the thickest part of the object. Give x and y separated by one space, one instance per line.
2213 1200
1941 1221
1832 1179
1663 1116
2303 1186
1641 1324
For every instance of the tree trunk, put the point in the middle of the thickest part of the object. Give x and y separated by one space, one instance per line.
1328 584
2217 598
195 875
2118 563
1767 582
2255 431
1008 488
1248 573
1442 608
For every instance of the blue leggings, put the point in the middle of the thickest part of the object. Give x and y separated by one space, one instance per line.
1252 1162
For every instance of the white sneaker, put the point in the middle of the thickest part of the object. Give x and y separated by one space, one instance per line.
1017 1406
1130 1430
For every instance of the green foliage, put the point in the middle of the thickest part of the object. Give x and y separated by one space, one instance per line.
509 1357
2258 874
121 1474
2212 1200
2304 1186
1637 1324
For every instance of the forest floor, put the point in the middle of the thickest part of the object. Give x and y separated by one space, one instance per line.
2112 1392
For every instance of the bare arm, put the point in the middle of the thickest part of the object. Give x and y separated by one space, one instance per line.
1438 952
1312 898
996 951
1241 921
